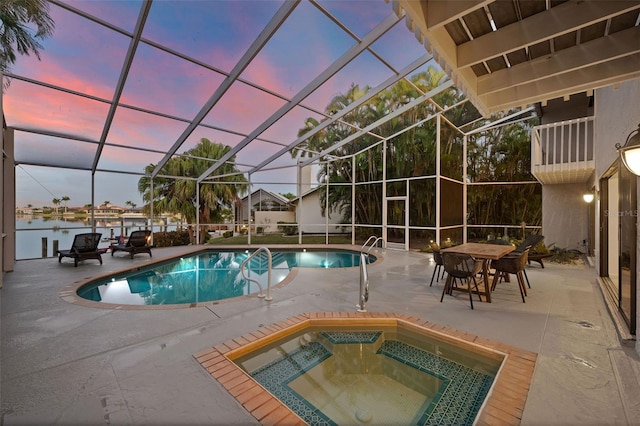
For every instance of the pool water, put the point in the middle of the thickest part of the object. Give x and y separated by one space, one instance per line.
209 276
379 376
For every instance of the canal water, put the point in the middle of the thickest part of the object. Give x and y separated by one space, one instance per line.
30 232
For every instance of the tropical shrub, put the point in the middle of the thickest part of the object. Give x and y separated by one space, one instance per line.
171 238
288 228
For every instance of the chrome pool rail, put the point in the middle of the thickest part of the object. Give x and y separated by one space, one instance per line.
270 264
364 283
363 297
373 244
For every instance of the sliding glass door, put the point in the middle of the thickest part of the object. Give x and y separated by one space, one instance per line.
618 233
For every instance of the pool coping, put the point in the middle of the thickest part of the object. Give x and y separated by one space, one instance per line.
69 292
504 404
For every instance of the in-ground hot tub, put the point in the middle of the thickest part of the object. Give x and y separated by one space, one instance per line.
349 368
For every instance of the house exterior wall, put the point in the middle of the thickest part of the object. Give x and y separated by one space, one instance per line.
564 212
617 113
309 216
564 216
260 196
269 220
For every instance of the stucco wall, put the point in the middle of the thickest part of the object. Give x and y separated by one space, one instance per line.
269 220
564 217
617 112
311 218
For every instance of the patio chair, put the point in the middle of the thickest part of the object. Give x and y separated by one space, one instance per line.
438 271
138 242
532 241
463 267
85 246
511 265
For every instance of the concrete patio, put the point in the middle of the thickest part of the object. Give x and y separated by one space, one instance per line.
68 364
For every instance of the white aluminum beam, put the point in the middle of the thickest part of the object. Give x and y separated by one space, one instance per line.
337 116
124 73
340 63
276 21
381 121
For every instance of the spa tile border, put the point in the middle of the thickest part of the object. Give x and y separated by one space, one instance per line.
504 404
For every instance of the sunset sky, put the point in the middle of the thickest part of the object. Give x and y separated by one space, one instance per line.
86 57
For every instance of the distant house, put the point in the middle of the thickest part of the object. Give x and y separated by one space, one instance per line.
267 209
108 210
309 214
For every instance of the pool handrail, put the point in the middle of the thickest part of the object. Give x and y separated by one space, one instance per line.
372 245
364 284
260 294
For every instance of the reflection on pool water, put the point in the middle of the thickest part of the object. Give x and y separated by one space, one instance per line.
209 276
379 375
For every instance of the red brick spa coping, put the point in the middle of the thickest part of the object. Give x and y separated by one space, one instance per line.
503 406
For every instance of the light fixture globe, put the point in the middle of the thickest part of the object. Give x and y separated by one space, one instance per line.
630 152
588 197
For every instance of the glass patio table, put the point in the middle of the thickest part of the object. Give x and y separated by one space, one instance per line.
484 252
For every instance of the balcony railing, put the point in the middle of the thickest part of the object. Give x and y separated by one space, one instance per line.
562 152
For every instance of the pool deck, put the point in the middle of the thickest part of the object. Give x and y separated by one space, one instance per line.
64 363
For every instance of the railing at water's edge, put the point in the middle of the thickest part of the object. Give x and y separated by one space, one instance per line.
251 256
363 298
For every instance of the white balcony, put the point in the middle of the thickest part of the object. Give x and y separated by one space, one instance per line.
562 152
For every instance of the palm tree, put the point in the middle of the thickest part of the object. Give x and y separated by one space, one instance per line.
177 195
131 204
56 203
18 18
64 200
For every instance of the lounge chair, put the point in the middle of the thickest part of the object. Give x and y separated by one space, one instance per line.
532 241
138 242
85 246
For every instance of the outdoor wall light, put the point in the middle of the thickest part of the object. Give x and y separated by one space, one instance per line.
630 152
588 197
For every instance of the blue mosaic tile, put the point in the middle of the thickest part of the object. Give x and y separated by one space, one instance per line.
342 337
457 402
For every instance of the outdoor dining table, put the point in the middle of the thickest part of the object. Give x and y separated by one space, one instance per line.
484 252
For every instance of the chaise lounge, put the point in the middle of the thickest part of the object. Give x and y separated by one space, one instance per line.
138 242
85 246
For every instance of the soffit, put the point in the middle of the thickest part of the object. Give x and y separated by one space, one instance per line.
536 50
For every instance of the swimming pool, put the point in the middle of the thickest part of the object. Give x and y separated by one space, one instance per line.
209 276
